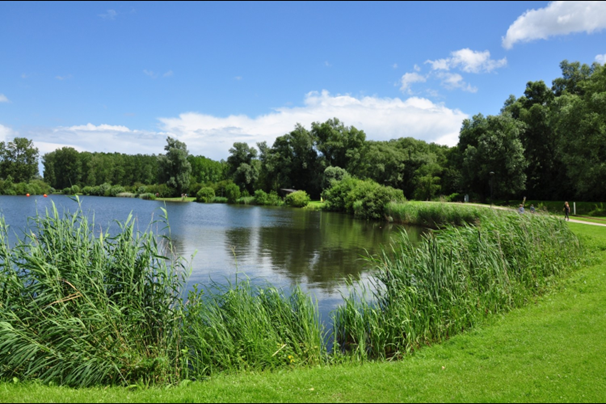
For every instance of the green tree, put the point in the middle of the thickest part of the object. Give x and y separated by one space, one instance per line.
339 145
174 169
488 145
19 159
580 122
243 166
62 168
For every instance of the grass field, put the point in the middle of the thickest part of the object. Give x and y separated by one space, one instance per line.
178 199
552 350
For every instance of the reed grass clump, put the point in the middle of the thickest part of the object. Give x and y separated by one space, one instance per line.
455 278
434 214
79 306
246 327
82 307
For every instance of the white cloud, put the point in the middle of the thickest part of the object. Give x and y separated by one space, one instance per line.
109 15
410 78
61 78
6 133
212 136
468 61
3 98
455 80
417 68
380 118
558 18
168 74
601 59
150 73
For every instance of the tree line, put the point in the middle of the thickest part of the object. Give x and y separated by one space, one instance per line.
548 144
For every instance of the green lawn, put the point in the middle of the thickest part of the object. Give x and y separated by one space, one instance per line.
177 199
552 350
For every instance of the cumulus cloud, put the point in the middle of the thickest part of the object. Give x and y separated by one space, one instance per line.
558 18
455 80
213 136
601 58
410 78
3 98
6 133
380 118
468 61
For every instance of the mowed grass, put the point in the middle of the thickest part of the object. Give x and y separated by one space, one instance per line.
552 350
177 199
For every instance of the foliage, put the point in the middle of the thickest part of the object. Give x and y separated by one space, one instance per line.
205 195
364 199
83 308
434 215
232 192
19 159
332 175
174 168
451 281
242 166
493 145
298 199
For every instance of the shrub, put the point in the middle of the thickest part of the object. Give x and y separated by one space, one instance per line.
219 199
364 199
115 190
205 195
148 196
298 199
333 175
232 192
261 197
274 199
125 195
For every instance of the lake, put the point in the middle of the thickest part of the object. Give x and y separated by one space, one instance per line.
283 246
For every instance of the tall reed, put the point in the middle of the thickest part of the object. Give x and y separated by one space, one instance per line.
243 327
80 306
453 279
434 214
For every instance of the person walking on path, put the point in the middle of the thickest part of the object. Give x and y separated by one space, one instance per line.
566 211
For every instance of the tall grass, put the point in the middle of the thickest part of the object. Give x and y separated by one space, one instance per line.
80 307
451 281
242 327
433 214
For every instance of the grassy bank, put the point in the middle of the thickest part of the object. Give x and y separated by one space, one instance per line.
552 350
433 214
80 308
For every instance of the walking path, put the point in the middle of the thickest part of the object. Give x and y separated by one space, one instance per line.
504 208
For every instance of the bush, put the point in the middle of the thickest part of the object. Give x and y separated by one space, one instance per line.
148 196
232 192
115 190
364 199
126 195
261 197
219 199
298 199
205 195
333 175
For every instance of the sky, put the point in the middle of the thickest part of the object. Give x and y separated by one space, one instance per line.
121 76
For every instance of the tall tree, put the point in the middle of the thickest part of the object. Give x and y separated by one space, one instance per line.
62 168
19 159
243 166
492 145
174 169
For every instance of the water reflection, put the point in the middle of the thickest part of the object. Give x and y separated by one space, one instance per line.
318 250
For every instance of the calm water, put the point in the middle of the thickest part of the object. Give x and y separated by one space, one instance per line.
317 250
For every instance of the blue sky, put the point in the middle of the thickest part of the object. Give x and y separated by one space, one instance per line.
119 76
